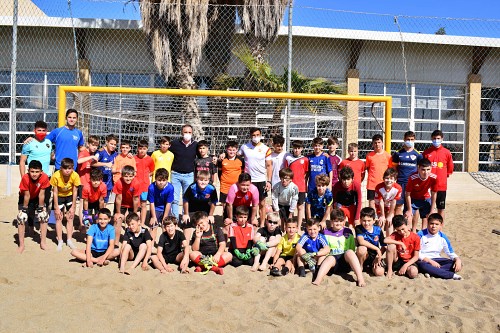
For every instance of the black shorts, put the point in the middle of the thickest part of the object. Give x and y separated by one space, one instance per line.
370 194
79 193
302 198
441 200
341 266
93 207
222 197
372 255
261 186
124 210
65 202
189 224
286 258
170 258
396 266
284 212
96 254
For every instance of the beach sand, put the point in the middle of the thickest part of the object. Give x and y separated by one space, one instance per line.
48 291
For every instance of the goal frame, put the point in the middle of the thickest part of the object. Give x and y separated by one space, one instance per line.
387 100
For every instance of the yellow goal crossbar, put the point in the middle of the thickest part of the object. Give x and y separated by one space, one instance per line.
387 100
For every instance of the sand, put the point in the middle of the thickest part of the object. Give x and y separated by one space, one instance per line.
48 291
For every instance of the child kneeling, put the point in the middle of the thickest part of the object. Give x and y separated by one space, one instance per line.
136 245
208 245
173 248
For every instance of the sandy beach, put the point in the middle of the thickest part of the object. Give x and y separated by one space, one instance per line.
48 291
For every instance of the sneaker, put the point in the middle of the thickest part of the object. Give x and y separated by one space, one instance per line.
427 275
457 277
218 270
70 244
197 269
60 246
275 271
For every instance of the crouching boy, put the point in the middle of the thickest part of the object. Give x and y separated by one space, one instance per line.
136 245
173 248
403 248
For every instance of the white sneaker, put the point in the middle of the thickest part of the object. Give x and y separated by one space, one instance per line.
60 246
70 244
457 277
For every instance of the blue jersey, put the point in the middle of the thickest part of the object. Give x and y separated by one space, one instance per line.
39 151
407 164
312 245
319 203
160 197
375 237
107 174
200 200
67 142
318 165
101 238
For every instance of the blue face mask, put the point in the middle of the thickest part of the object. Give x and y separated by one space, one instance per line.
409 144
436 143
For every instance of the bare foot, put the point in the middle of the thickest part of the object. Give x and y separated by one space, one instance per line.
20 249
389 275
315 283
253 269
163 271
263 267
127 272
43 246
105 263
361 283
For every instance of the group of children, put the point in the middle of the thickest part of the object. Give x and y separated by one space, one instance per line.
339 234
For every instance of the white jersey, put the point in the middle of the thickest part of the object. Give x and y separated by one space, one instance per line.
278 164
431 246
255 160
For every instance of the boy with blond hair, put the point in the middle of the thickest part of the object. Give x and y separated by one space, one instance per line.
285 195
377 162
284 261
352 160
123 159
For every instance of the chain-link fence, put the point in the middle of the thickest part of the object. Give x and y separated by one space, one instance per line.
442 73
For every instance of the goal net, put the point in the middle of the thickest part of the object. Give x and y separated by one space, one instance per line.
216 116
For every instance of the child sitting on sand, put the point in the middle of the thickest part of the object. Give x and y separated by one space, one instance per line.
208 246
100 247
342 258
266 239
432 243
136 245
284 257
241 236
173 248
311 248
370 238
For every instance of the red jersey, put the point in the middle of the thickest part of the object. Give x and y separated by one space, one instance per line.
442 165
144 166
34 187
83 169
419 188
348 197
358 166
376 164
94 194
300 167
412 243
128 192
394 193
242 237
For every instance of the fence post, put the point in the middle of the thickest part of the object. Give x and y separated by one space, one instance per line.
351 119
472 124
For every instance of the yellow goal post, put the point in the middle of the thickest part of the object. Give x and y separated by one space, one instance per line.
387 100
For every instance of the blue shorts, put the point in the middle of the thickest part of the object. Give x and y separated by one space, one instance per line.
423 206
402 200
144 196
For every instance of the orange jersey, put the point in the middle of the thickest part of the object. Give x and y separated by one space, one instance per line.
119 163
376 164
358 166
229 171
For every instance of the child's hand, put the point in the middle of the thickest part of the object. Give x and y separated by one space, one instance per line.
381 221
71 213
198 231
185 218
184 265
434 264
322 224
145 266
169 269
217 257
90 264
403 269
100 261
356 222
211 219
59 214
403 246
228 222
457 266
409 214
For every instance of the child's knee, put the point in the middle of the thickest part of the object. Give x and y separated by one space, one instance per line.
412 272
391 248
362 251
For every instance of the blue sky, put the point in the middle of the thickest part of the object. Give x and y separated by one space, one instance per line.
304 14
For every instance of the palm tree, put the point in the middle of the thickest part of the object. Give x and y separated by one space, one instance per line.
266 79
178 31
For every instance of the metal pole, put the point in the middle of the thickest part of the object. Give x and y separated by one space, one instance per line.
288 110
13 82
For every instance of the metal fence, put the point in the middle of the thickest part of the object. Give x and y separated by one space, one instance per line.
426 64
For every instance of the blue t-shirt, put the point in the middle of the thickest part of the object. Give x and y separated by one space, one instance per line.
319 203
312 245
200 200
376 237
107 174
101 238
160 197
407 164
39 151
67 142
317 165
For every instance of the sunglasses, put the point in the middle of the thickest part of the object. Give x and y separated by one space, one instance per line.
272 222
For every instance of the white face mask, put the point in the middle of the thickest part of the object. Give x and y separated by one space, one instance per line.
409 144
187 137
436 143
256 139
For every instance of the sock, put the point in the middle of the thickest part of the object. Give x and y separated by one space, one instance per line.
197 260
302 271
221 264
284 270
